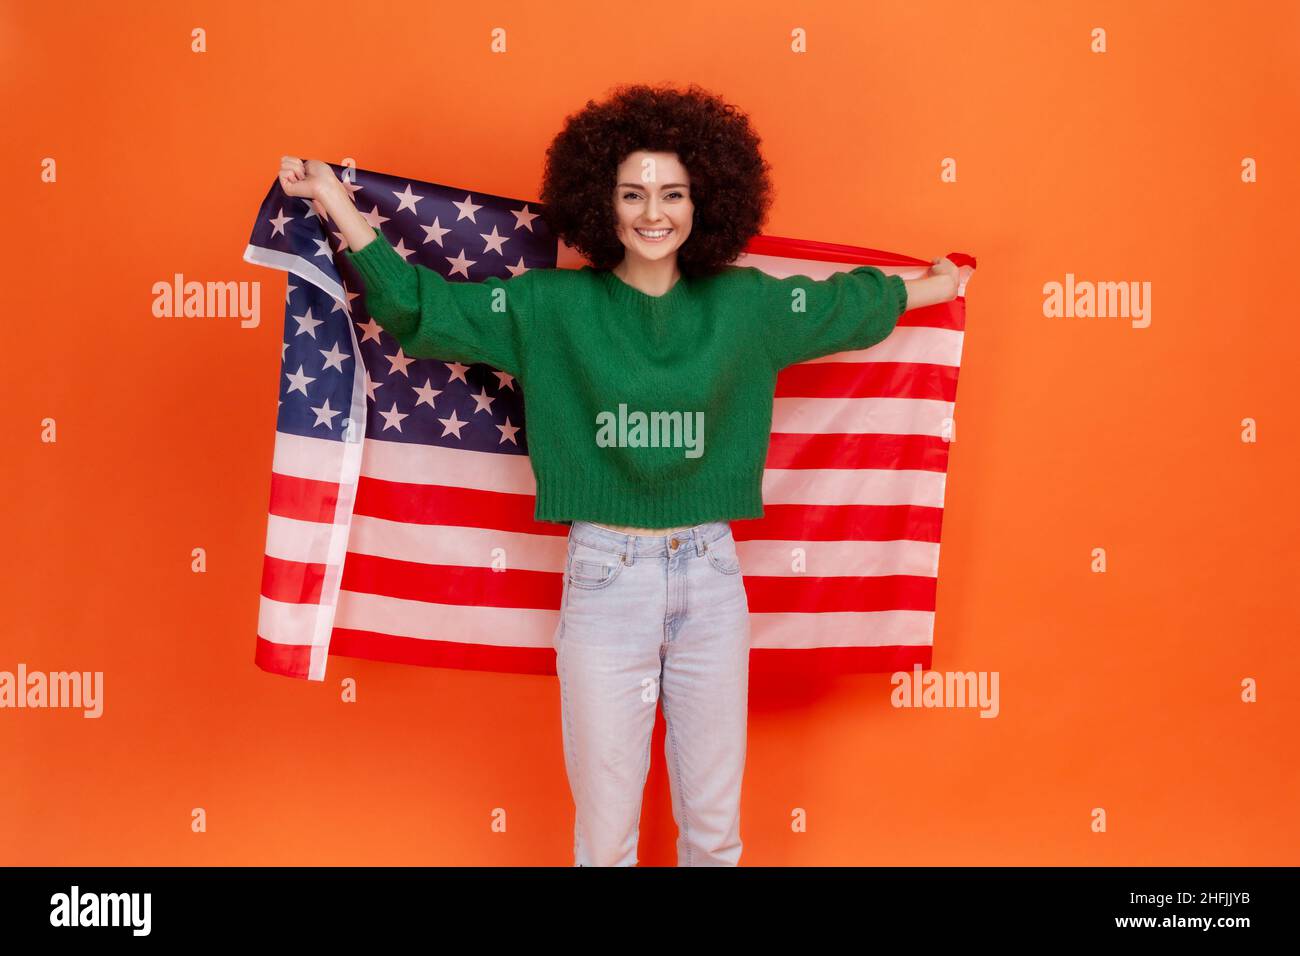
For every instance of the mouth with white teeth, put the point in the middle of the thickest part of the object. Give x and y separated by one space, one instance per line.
654 235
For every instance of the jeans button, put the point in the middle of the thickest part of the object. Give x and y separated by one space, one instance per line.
673 544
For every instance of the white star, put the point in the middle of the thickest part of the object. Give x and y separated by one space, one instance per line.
278 222
467 209
460 264
289 290
324 415
401 249
392 418
334 357
504 380
349 185
482 401
345 306
311 210
307 324
371 385
426 393
494 241
323 248
524 218
518 268
508 432
374 218
398 362
406 200
371 328
435 232
452 424
298 381
457 372
283 347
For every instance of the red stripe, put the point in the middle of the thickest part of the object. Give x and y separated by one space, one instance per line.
841 523
451 583
483 587
779 668
292 582
814 595
781 665
303 498
868 380
289 660
451 505
374 646
786 248
855 451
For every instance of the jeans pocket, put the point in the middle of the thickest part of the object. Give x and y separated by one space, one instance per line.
591 568
722 554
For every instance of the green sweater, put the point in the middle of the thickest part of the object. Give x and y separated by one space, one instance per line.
646 411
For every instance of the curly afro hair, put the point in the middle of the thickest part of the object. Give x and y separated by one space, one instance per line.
730 188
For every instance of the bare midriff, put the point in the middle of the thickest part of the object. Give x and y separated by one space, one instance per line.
653 532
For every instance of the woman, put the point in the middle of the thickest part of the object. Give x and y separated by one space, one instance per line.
624 362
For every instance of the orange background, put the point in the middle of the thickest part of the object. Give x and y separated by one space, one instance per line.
1118 690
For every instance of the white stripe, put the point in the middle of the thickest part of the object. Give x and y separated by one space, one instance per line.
321 459
496 626
458 467
524 627
302 268
339 464
289 624
307 542
316 459
838 558
457 545
853 486
907 344
842 629
886 416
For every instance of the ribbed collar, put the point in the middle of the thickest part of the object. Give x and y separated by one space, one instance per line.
633 298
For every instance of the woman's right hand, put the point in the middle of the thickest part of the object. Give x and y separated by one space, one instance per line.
307 180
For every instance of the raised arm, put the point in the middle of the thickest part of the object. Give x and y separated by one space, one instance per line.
429 315
432 317
808 318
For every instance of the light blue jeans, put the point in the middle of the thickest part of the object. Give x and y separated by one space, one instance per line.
644 620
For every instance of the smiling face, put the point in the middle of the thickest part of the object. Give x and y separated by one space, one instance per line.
652 205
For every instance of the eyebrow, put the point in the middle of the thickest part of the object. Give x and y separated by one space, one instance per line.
664 186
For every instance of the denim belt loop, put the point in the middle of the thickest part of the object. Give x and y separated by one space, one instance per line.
629 549
697 537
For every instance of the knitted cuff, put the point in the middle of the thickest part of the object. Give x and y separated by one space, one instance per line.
378 262
900 292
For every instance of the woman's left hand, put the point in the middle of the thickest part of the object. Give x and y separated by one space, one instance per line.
947 268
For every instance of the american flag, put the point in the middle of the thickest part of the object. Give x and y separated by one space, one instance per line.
401 507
